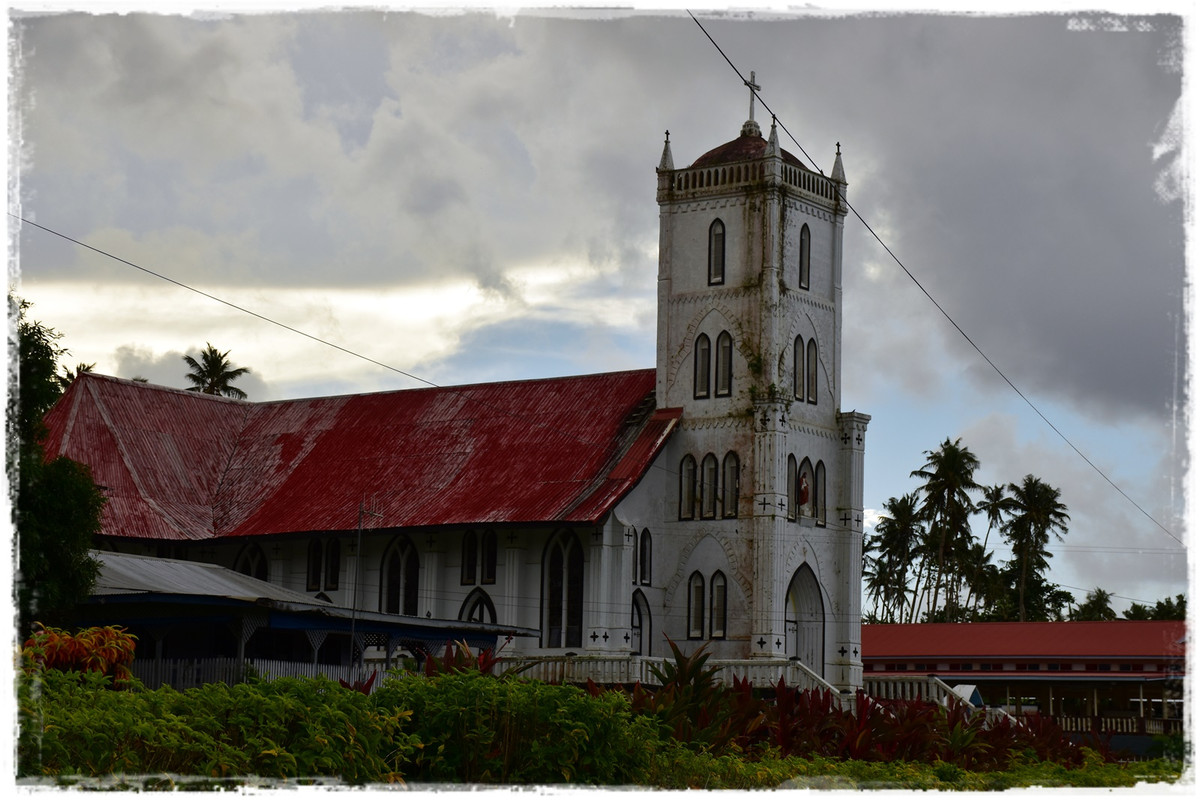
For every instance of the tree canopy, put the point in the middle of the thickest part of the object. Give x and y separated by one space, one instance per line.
924 563
1163 609
58 505
214 374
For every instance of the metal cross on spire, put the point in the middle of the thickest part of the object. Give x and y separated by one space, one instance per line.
754 87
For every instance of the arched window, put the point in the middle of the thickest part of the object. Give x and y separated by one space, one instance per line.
696 606
819 493
636 550
798 372
703 365
470 557
805 490
315 567
708 487
478 607
333 564
730 478
687 488
805 250
643 559
717 606
400 578
793 488
562 590
488 557
812 371
253 562
716 253
724 384
639 622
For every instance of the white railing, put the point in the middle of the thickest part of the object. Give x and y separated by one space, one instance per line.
896 687
761 674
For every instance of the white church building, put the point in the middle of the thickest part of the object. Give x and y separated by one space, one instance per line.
715 500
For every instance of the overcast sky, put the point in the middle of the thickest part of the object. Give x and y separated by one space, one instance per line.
471 197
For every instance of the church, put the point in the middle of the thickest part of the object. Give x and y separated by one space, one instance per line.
714 500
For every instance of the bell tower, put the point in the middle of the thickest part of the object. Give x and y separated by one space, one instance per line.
749 347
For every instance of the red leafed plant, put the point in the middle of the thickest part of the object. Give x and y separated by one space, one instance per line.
108 651
360 685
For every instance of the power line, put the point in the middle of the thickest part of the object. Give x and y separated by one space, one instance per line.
931 298
222 301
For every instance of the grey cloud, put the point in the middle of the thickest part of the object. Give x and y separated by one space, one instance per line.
1013 161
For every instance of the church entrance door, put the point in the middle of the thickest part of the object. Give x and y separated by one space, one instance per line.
805 620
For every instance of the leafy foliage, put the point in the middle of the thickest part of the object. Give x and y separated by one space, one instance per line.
214 374
923 562
480 729
107 651
1163 609
467 727
286 728
58 505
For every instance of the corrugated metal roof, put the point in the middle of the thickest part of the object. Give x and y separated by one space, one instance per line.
125 574
182 465
1024 640
125 578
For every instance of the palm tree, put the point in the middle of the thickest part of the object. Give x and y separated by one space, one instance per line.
1097 607
897 536
1036 512
213 374
949 475
68 375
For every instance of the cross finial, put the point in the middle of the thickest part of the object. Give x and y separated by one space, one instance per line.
754 87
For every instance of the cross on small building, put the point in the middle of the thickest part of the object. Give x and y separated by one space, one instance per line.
858 438
605 636
594 636
764 504
842 652
778 644
761 643
845 519
626 638
845 438
856 652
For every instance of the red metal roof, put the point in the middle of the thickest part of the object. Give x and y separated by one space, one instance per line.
748 147
182 465
1024 640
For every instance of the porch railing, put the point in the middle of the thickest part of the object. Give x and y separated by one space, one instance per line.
637 669
1149 726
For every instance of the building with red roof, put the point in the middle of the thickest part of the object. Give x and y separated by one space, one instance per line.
715 499
1121 671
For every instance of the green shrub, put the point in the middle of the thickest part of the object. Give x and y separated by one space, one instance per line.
286 728
479 729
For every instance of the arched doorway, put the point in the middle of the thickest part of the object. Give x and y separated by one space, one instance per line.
805 620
